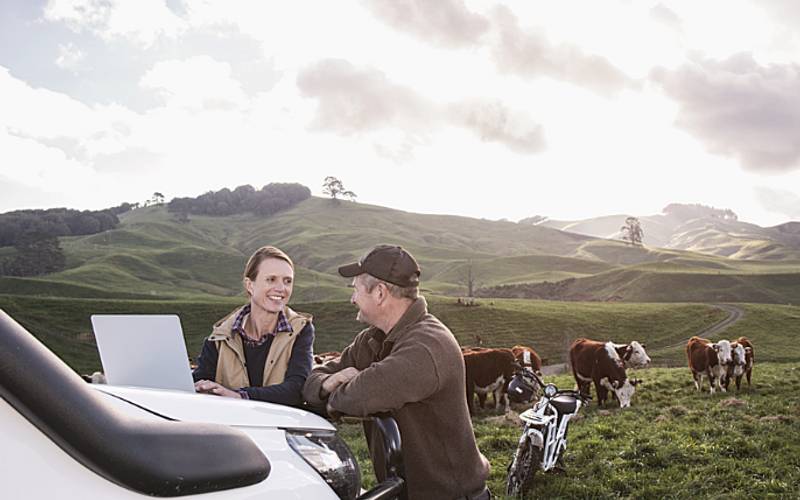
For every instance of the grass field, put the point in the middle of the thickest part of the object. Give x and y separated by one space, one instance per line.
548 326
151 254
671 443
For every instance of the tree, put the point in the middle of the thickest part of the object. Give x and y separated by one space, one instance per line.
468 279
632 231
333 187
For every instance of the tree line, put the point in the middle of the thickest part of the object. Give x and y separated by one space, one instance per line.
22 225
270 199
34 236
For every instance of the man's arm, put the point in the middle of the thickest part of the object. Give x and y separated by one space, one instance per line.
409 374
312 390
289 392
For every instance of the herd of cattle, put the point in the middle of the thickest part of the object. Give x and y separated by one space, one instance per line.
605 364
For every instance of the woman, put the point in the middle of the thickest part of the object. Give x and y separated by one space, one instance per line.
262 350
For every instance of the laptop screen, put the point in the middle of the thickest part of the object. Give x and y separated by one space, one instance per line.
143 351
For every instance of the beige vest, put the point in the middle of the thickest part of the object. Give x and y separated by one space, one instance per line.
231 366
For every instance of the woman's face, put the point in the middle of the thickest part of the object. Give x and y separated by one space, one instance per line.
272 286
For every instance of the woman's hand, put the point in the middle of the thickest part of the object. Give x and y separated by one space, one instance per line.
209 387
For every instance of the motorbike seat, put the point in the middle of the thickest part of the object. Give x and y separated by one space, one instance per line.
565 404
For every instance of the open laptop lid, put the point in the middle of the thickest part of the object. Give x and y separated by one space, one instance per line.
143 351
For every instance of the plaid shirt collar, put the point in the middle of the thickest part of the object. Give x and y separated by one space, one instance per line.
238 327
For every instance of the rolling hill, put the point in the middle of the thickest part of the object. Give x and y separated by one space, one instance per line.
153 254
697 229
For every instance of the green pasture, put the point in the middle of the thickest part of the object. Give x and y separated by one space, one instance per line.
548 326
673 442
152 254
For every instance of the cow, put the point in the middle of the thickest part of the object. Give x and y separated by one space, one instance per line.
711 359
323 357
633 355
599 362
488 370
743 359
527 358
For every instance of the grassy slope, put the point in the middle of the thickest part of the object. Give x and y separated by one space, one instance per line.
672 443
152 255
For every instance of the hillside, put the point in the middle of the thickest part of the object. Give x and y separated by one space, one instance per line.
154 254
697 229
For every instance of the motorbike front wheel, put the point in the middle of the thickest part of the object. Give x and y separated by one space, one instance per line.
521 471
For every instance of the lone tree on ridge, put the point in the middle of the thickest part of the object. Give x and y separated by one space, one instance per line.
333 187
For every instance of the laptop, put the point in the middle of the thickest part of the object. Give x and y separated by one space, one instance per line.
146 350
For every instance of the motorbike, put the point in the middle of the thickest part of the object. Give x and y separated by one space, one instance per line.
544 435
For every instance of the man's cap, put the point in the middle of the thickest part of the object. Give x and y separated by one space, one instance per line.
389 263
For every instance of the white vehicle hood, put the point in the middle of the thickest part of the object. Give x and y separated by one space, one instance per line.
188 407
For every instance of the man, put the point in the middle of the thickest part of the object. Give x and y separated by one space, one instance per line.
409 364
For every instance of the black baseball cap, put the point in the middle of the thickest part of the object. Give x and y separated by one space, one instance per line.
389 263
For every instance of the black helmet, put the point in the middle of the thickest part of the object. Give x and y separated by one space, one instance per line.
522 387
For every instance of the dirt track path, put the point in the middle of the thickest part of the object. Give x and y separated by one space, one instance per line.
734 314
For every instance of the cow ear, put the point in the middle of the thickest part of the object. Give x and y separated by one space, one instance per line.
748 349
644 346
715 346
636 381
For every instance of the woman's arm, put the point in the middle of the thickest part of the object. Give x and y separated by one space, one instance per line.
206 362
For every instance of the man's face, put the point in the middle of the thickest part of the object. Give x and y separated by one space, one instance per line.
272 286
365 300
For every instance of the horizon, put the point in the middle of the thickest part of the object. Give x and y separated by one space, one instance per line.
502 219
484 109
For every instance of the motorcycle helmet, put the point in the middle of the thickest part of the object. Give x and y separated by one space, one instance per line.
521 389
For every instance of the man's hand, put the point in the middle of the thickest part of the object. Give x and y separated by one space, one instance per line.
209 387
334 381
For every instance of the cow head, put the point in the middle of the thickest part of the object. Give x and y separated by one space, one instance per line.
623 389
635 356
724 352
738 353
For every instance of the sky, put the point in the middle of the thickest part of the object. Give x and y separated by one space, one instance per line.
489 109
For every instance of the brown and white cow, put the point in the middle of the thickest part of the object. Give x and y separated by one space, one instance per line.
633 354
743 360
527 358
323 357
599 362
488 371
711 359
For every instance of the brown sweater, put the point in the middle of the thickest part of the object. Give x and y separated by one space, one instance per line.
415 372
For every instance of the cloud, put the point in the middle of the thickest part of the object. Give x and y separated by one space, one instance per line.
198 82
666 16
493 121
739 108
443 22
352 100
779 201
69 57
141 22
532 55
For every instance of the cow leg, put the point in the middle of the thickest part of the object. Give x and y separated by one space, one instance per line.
482 399
738 382
500 393
711 381
749 371
471 397
602 393
698 380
